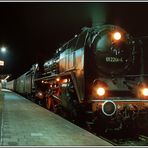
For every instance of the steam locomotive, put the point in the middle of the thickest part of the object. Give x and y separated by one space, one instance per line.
96 77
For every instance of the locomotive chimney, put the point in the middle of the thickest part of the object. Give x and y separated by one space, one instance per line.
97 21
98 14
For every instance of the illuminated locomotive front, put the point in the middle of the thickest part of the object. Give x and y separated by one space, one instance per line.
92 75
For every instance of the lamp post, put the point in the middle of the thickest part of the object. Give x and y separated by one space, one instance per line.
3 50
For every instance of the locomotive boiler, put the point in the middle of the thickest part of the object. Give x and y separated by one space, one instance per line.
96 78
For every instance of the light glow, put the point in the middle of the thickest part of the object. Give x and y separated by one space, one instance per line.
57 79
40 94
117 35
145 91
3 49
65 81
1 63
101 91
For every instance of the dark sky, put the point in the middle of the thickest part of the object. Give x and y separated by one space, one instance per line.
32 31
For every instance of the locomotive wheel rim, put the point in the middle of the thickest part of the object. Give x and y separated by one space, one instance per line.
104 110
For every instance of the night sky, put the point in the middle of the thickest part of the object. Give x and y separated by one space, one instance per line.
32 31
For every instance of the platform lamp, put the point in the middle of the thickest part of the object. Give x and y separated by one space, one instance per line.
2 50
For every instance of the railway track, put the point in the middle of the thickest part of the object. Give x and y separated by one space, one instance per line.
139 140
110 141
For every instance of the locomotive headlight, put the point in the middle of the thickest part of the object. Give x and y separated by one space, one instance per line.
117 35
101 91
145 92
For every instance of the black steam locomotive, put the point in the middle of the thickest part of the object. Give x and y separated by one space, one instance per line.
96 77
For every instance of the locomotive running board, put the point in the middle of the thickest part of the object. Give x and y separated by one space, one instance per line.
54 76
51 77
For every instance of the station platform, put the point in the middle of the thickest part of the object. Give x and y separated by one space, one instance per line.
24 123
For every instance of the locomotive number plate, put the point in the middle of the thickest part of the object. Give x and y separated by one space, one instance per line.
113 59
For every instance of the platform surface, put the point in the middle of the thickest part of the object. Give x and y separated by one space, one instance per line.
24 123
